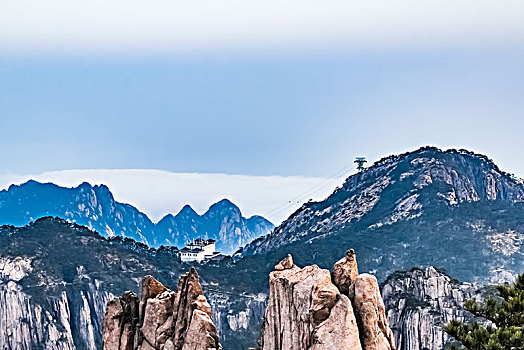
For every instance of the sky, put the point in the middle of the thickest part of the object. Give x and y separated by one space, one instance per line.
274 91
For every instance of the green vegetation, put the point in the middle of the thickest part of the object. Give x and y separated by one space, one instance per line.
506 314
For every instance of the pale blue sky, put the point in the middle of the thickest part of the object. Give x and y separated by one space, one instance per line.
288 88
307 115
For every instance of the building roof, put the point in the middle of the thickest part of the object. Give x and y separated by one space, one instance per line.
218 257
201 242
188 250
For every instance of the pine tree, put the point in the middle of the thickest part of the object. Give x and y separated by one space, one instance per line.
506 314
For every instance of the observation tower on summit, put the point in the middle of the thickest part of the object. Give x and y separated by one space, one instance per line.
360 163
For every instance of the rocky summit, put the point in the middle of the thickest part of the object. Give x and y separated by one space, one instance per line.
96 208
161 319
453 209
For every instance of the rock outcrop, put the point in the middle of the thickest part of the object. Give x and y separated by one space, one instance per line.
162 319
306 310
68 320
375 333
345 272
364 294
420 303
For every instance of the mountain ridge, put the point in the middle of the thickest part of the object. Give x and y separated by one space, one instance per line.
96 207
408 198
476 236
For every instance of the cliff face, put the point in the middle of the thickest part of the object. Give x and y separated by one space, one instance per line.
162 319
420 303
70 319
56 279
306 310
237 316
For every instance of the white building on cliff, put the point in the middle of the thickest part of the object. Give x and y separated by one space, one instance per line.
199 250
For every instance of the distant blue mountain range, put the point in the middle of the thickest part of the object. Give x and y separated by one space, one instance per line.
96 208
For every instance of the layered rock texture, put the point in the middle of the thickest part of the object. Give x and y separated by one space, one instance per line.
56 279
69 319
96 208
421 302
306 310
162 319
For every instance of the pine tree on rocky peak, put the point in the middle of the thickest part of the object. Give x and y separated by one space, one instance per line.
506 314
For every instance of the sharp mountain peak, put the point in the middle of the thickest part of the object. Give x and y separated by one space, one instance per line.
96 208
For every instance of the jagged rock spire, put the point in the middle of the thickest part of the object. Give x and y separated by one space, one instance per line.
162 319
363 291
311 309
306 311
370 313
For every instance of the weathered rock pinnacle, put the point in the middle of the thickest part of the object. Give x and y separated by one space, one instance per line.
373 327
162 319
306 311
345 272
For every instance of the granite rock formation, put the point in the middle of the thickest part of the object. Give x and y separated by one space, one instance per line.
345 272
421 302
56 279
67 320
375 333
162 319
306 310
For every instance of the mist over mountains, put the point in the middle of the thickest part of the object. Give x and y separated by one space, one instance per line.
96 208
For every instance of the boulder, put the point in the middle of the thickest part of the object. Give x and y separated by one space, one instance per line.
286 263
